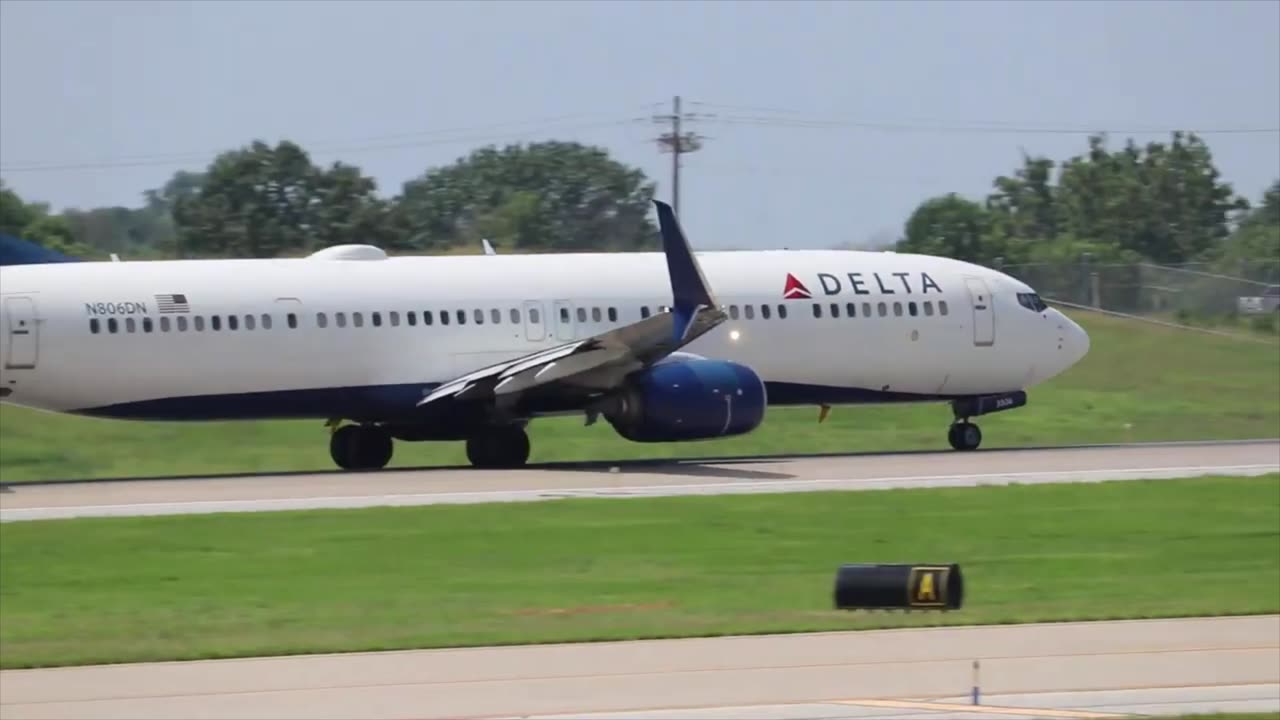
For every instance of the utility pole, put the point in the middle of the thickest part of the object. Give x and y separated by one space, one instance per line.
677 143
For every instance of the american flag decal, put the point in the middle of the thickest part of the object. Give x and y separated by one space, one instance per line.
170 304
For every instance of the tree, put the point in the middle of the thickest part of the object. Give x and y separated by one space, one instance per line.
542 196
1165 202
950 226
263 201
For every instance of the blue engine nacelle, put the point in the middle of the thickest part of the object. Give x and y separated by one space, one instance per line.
689 400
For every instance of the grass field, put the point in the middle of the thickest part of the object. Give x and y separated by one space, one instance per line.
132 589
1140 382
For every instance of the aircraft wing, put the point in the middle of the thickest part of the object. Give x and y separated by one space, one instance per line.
600 362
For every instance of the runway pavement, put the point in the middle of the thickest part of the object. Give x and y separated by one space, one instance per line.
643 479
1147 666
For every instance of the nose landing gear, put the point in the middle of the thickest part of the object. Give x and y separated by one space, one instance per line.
964 435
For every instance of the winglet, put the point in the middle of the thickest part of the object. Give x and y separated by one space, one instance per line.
689 289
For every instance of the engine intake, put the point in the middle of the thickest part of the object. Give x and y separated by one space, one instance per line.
689 400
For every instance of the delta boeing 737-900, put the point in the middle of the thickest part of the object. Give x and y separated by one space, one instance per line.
665 346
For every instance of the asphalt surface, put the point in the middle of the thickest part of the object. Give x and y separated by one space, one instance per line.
1232 662
642 479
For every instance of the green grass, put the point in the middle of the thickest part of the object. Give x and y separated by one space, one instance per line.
134 589
1140 382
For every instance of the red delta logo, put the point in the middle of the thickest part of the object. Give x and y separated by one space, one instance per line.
795 290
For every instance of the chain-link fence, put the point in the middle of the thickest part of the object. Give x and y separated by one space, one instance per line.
1147 289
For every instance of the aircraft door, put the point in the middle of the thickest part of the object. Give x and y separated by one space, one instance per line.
535 328
24 333
984 318
564 320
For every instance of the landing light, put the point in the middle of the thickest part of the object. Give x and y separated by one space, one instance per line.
734 335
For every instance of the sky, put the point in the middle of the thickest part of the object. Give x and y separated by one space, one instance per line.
825 123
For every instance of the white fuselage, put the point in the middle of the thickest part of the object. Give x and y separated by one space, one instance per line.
91 337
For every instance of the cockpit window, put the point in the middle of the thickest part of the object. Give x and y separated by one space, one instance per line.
1032 301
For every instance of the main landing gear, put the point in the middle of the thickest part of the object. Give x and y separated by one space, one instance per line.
964 435
505 446
369 447
360 447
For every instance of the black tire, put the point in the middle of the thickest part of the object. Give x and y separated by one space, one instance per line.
505 448
361 447
964 436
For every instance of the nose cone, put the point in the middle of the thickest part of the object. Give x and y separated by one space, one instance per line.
1075 341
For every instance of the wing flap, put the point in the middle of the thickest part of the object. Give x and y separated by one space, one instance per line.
601 360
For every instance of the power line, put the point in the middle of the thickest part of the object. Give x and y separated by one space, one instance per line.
427 138
795 119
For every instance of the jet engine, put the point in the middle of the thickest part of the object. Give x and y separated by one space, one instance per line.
688 399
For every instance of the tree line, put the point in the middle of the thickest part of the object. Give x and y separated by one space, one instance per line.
1163 203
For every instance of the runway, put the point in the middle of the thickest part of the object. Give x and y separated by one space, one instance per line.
639 479
1160 666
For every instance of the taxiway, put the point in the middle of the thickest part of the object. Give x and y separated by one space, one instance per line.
22 501
1025 671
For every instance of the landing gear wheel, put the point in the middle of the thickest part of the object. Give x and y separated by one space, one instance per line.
360 447
501 447
964 436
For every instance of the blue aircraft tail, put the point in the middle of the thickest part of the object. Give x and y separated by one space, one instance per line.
16 251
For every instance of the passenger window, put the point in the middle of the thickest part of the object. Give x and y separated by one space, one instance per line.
564 315
782 311
462 317
928 307
321 320
495 315
249 323
613 314
357 319
817 310
266 321
733 312
112 326
444 317
411 318
851 310
595 314
942 307
395 318
749 311
764 311
533 315
883 309
340 319
479 316
897 309
582 315
427 317
515 316
835 310
94 326
866 309
293 321
912 309
199 321
164 324
215 322
182 324
146 325
377 319
233 322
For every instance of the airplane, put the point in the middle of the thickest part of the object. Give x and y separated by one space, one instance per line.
668 346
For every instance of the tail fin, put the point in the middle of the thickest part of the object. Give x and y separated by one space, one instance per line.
16 251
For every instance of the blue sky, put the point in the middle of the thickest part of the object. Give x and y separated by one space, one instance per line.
119 95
